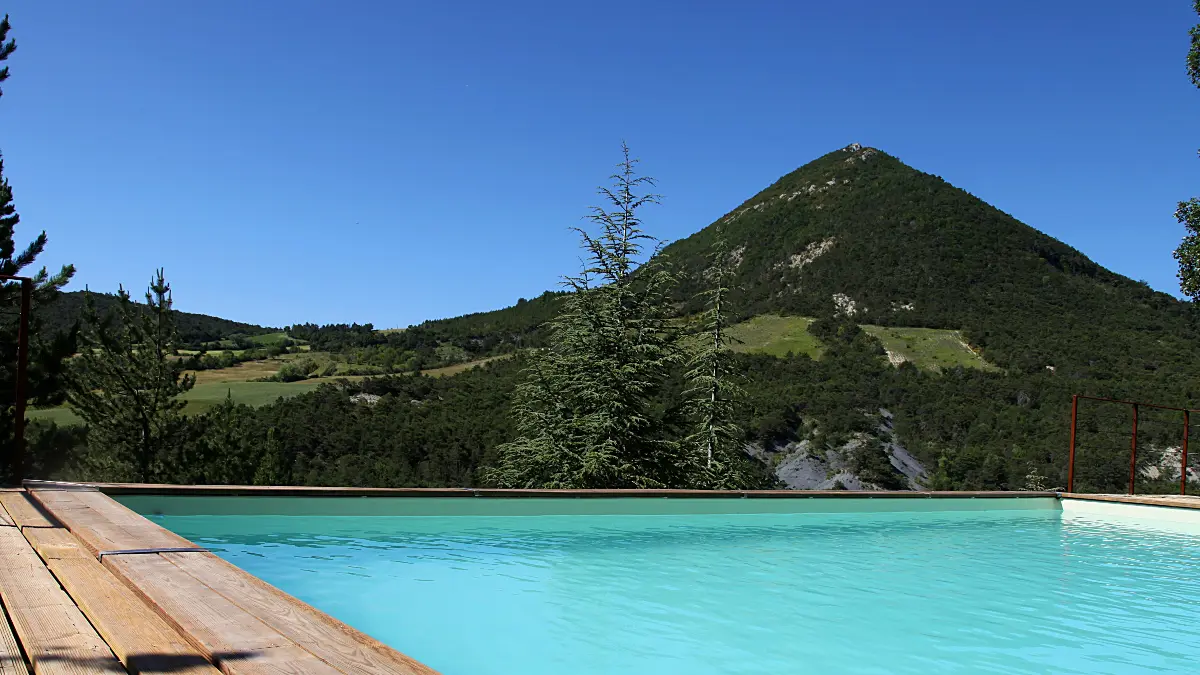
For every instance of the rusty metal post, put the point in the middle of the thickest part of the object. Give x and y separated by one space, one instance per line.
1071 455
1183 459
1133 450
18 465
17 461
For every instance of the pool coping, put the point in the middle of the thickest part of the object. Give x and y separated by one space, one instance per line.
294 491
233 620
1164 501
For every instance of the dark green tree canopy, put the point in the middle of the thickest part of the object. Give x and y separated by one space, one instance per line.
126 384
1188 212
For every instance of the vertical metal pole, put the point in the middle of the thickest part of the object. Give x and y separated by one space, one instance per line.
18 458
1183 459
1133 449
1071 456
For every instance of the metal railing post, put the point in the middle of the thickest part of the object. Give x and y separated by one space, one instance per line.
1133 449
17 461
1071 456
1183 458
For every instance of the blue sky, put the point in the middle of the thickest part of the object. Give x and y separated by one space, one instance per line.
390 162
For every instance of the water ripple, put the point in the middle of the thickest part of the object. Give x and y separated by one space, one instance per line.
1019 592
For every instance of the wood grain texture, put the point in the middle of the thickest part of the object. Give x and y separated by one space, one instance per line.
57 638
230 637
333 641
55 542
24 511
239 622
137 635
104 525
11 661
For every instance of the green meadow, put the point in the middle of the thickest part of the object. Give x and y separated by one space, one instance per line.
240 383
934 349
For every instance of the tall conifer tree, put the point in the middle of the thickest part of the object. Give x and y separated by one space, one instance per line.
713 392
584 412
126 384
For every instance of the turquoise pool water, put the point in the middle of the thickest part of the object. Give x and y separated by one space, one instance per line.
1024 591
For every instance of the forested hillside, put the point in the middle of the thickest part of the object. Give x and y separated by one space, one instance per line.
65 310
853 238
436 343
860 231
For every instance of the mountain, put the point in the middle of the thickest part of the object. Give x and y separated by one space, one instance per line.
62 313
858 231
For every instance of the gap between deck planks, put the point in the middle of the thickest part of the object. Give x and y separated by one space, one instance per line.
57 638
141 640
11 660
221 608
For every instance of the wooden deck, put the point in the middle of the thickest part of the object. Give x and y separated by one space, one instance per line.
78 600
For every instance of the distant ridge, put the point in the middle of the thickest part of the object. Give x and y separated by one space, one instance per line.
65 310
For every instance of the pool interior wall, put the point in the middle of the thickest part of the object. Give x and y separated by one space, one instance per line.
186 505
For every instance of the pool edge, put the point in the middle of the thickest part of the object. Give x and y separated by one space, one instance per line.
187 586
298 491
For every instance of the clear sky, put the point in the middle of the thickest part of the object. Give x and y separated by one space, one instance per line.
390 162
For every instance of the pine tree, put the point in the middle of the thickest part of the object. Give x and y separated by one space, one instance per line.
272 468
584 411
713 392
47 357
1188 212
126 384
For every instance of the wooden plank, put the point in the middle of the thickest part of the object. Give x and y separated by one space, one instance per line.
24 511
230 637
57 638
333 641
136 634
104 525
238 621
11 661
55 542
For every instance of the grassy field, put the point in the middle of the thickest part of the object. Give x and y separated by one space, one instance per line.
269 339
927 348
212 386
776 335
207 395
457 368
266 340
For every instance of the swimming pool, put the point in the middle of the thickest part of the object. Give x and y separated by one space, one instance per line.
677 586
